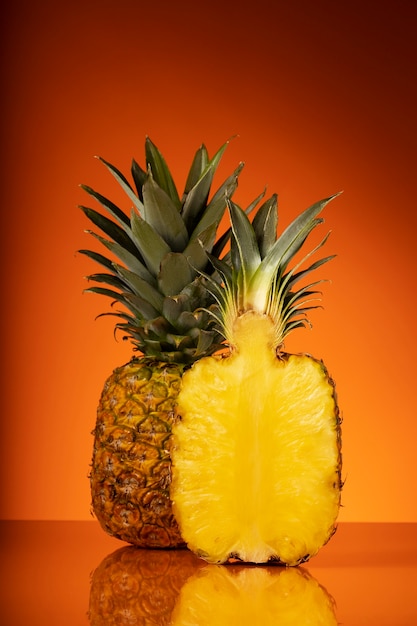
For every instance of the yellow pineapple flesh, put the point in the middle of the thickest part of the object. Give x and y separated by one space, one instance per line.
260 454
223 596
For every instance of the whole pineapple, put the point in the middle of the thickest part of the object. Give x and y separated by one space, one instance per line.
157 254
257 452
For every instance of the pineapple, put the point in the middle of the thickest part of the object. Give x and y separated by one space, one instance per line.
217 595
157 255
256 458
131 586
175 588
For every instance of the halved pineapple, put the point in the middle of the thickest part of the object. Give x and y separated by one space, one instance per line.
257 450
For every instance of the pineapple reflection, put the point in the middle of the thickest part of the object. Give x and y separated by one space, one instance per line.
161 588
133 586
221 595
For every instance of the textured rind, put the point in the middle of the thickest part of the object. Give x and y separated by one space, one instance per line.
131 465
133 586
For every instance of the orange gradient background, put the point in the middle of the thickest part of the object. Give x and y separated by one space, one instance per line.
322 96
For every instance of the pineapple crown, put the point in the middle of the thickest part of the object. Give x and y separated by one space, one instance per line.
255 274
161 250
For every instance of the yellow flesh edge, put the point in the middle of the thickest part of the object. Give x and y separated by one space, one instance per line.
256 457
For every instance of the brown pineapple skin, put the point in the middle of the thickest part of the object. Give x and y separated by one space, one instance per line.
133 587
131 465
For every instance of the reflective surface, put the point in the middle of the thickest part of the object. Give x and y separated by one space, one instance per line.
72 573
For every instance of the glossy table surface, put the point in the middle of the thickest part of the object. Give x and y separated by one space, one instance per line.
72 573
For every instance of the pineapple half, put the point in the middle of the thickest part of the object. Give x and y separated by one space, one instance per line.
156 256
257 450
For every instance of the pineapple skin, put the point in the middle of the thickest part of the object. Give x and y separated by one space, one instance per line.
131 467
257 453
133 586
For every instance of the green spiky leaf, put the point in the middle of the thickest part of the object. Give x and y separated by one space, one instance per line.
110 229
152 246
160 172
124 184
162 214
265 225
130 260
175 274
114 210
197 168
139 178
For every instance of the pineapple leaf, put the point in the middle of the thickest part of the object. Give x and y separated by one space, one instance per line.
196 200
195 252
114 210
141 309
110 228
223 268
265 225
161 173
139 178
218 203
300 323
153 248
283 250
124 184
103 291
187 321
171 310
98 258
299 275
110 279
141 287
140 306
205 340
215 160
247 257
175 274
130 319
254 203
162 214
130 260
158 327
289 279
223 239
197 168
293 237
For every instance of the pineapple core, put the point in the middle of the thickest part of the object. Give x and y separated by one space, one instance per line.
256 459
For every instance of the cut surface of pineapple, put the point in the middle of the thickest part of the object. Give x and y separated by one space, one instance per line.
256 455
